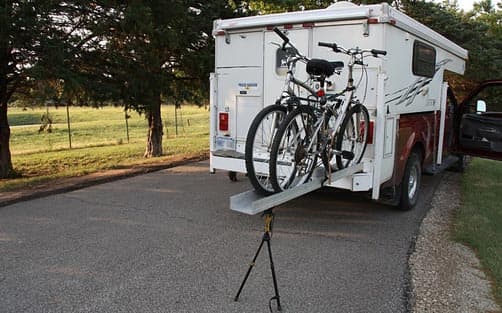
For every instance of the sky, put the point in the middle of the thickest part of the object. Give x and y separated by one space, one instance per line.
467 4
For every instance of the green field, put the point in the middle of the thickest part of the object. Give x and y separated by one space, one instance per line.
479 220
99 141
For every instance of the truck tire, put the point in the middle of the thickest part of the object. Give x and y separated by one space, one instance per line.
410 185
461 164
232 176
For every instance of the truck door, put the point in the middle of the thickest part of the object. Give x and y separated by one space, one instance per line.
479 122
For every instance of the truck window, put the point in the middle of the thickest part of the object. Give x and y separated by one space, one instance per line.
424 59
491 95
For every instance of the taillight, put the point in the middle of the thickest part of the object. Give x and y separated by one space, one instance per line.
223 121
369 140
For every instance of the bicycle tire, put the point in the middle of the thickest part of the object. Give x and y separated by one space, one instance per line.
352 137
257 150
290 163
328 158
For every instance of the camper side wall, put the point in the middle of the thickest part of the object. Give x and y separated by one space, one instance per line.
415 95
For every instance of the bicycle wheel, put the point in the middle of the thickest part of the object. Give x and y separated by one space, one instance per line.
352 139
258 145
294 150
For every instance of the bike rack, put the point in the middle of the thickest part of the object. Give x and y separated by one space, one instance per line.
251 203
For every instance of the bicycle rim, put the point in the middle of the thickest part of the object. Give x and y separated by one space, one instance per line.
258 146
352 139
328 156
294 155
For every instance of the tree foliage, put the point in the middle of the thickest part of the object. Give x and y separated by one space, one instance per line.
159 50
38 40
478 31
138 53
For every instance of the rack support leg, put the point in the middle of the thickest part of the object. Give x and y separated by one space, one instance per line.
269 217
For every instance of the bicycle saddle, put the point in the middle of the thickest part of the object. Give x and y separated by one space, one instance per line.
322 67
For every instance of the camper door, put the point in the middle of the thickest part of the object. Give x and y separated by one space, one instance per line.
274 65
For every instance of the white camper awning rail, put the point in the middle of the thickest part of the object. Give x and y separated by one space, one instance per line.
323 15
383 12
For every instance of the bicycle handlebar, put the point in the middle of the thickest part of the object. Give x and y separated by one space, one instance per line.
329 45
287 42
337 48
377 52
281 34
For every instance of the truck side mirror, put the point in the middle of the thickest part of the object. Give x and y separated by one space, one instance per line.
481 106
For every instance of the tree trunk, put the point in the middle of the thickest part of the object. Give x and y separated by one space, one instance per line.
154 140
6 169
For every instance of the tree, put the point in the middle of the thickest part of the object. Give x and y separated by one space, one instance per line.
24 35
471 30
41 40
160 49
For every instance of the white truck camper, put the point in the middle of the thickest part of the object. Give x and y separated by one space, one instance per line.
404 91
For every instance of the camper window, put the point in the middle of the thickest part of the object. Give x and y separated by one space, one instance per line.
281 60
424 59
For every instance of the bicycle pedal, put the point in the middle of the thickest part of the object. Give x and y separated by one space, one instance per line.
348 155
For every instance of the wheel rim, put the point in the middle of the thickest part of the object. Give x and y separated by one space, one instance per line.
294 160
413 182
353 136
330 157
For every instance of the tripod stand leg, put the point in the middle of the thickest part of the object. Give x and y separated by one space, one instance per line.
272 268
269 218
249 269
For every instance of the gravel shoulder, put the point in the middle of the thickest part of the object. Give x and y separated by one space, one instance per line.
446 276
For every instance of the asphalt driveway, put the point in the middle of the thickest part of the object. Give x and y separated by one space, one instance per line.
167 242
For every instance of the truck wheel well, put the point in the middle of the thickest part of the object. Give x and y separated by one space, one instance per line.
419 148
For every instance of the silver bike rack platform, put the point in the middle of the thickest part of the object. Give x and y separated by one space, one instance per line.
250 202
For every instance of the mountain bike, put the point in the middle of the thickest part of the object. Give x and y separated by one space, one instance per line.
336 130
266 123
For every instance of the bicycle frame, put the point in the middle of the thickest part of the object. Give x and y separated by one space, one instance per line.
349 94
291 81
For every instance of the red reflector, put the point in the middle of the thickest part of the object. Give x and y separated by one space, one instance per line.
223 118
372 21
288 26
308 25
369 139
392 22
220 33
270 27
321 93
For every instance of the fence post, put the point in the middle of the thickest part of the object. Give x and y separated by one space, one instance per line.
68 122
127 123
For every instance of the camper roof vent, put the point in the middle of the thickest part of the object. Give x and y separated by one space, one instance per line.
342 5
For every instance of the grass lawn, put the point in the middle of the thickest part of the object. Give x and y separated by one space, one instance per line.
99 141
479 221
